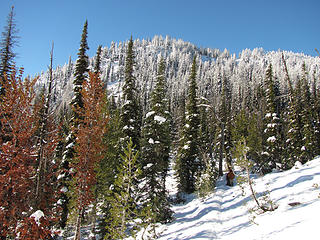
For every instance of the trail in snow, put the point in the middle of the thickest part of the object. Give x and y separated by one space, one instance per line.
224 215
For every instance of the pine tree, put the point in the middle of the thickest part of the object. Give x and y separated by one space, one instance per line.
224 115
97 64
188 157
294 121
122 200
81 70
308 150
64 175
155 150
130 117
107 171
272 136
7 43
315 97
89 144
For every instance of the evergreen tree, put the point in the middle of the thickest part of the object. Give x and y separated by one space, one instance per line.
272 136
294 121
155 150
97 64
108 167
122 200
225 127
7 43
315 96
130 117
188 157
64 175
81 70
308 150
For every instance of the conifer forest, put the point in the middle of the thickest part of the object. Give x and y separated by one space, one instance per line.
91 143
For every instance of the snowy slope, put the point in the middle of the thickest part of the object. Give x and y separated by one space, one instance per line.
224 215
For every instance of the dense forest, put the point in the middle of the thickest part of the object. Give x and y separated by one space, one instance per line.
91 142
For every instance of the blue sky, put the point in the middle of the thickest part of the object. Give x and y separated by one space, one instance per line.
232 24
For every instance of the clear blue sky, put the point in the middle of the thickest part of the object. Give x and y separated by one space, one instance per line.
232 24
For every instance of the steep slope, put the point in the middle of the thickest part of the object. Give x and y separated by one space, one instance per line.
224 215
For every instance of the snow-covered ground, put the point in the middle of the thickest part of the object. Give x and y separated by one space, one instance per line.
225 215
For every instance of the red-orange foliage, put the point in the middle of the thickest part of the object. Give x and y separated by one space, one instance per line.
17 151
34 229
19 158
89 139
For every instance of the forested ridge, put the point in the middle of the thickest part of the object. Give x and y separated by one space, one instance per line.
91 143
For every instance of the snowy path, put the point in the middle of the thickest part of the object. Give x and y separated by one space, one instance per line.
207 219
224 215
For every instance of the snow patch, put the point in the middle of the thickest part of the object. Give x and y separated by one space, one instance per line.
37 215
150 113
159 119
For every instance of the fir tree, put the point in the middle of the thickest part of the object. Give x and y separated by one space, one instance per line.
130 117
272 136
188 157
294 121
122 200
155 150
315 109
7 43
224 115
81 70
308 150
97 64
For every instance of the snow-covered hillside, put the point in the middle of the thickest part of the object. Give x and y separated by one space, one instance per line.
224 215
245 70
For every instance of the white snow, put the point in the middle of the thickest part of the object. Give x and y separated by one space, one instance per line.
64 189
37 215
159 119
271 139
186 147
224 215
271 125
150 113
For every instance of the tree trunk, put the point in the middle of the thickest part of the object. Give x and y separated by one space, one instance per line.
77 233
221 150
